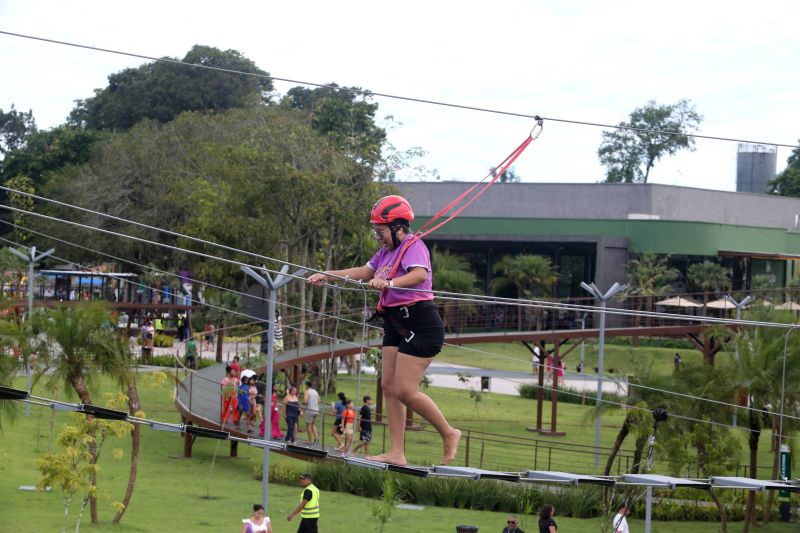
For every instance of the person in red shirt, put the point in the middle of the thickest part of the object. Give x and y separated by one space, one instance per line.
348 423
237 369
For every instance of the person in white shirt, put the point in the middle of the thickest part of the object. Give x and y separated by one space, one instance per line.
258 523
620 523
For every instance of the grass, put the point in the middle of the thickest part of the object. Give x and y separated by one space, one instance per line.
179 494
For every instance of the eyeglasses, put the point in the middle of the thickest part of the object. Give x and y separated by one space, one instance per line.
378 233
512 523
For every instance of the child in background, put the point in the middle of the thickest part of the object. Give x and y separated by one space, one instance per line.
348 422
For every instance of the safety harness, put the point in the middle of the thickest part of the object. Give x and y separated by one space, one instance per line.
476 191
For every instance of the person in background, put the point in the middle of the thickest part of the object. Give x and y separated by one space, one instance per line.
258 523
148 338
243 399
278 333
275 414
237 368
364 426
291 406
308 508
311 403
677 361
512 525
338 430
256 415
208 333
348 423
191 353
620 522
546 522
229 404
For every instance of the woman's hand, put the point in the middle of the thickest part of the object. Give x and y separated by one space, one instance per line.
317 279
379 283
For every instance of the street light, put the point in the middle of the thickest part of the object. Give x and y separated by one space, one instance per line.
594 291
31 259
739 306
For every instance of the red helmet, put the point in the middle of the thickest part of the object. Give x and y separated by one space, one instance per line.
391 208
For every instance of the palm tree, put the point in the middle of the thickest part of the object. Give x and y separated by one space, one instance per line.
75 345
530 276
761 369
451 273
714 445
708 277
648 276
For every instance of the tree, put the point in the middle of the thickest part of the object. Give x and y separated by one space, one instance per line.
23 202
451 273
708 277
15 128
648 276
46 152
787 183
760 369
75 345
629 155
222 309
162 90
694 438
530 276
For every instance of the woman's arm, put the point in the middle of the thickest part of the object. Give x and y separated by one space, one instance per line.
362 273
415 276
552 529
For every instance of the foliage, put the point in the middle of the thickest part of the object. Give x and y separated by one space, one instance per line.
20 201
162 90
47 152
452 273
72 470
629 155
787 183
708 276
162 340
529 275
568 395
383 509
649 275
15 128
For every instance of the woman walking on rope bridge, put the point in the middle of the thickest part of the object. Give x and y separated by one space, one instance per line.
413 329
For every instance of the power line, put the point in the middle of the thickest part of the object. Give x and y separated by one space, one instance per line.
474 298
391 96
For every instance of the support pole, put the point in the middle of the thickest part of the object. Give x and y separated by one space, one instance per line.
594 291
272 285
31 259
648 513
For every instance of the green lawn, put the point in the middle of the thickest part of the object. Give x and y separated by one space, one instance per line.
175 494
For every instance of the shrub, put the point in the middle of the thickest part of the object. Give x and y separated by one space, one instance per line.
163 341
567 395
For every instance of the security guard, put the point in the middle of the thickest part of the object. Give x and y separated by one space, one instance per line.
308 508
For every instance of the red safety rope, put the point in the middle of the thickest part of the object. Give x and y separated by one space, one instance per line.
496 175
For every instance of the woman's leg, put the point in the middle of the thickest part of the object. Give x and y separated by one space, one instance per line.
395 409
408 375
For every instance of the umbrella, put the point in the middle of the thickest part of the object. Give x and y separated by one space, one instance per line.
677 301
247 373
722 303
789 306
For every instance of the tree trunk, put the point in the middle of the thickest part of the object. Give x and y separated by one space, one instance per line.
134 405
623 432
79 384
220 331
723 514
775 465
641 440
755 433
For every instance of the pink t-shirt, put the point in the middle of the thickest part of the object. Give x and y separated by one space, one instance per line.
416 255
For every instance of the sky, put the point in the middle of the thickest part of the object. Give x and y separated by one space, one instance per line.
584 60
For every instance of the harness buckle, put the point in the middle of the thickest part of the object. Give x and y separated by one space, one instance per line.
404 312
410 336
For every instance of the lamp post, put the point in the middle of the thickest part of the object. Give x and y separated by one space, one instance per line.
594 291
31 259
266 281
739 306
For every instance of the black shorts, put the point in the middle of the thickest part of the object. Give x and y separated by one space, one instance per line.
366 436
308 525
416 330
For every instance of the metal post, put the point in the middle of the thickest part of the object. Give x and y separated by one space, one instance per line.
739 306
583 344
648 513
594 291
273 285
31 259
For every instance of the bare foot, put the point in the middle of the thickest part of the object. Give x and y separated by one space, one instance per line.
397 459
450 444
